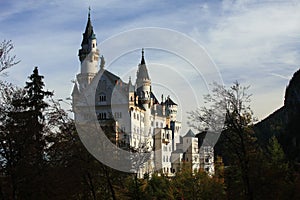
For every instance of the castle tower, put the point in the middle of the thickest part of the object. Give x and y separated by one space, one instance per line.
171 109
143 89
88 56
143 83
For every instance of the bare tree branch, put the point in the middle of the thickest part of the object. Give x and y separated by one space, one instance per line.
6 59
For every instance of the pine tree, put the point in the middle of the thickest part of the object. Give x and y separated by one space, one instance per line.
34 104
23 138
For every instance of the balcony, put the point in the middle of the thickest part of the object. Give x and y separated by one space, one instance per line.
165 140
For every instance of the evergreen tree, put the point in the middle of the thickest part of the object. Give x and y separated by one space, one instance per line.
24 138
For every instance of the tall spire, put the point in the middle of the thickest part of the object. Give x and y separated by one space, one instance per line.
88 30
88 36
142 72
143 59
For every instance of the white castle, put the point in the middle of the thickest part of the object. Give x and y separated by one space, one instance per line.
136 117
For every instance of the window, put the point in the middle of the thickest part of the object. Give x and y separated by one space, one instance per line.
102 97
156 124
101 116
134 116
137 117
207 159
206 150
161 125
118 114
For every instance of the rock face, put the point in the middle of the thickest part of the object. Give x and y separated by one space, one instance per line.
284 123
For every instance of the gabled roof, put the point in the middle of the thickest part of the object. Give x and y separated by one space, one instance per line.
155 101
190 133
111 76
169 101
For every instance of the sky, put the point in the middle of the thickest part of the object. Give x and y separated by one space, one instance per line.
188 45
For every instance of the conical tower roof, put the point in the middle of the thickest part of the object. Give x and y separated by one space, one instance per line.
142 72
89 31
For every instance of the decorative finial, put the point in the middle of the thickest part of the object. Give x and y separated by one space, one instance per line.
89 11
102 62
143 60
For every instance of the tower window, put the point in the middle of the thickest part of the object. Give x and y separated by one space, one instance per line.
118 114
93 45
101 116
102 98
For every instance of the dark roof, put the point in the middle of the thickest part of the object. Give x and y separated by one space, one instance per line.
143 59
190 133
169 101
89 32
159 110
111 76
119 85
142 72
87 35
155 101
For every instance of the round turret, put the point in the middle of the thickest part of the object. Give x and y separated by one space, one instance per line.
171 109
143 83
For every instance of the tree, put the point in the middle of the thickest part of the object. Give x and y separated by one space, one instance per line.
229 112
24 138
273 172
10 138
7 60
197 185
157 187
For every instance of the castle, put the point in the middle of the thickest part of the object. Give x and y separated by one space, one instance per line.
136 117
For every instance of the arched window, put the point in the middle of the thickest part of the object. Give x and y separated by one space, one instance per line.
102 97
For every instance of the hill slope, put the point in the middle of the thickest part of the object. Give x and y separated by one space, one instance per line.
284 123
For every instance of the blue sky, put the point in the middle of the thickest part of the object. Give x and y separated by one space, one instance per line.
253 42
